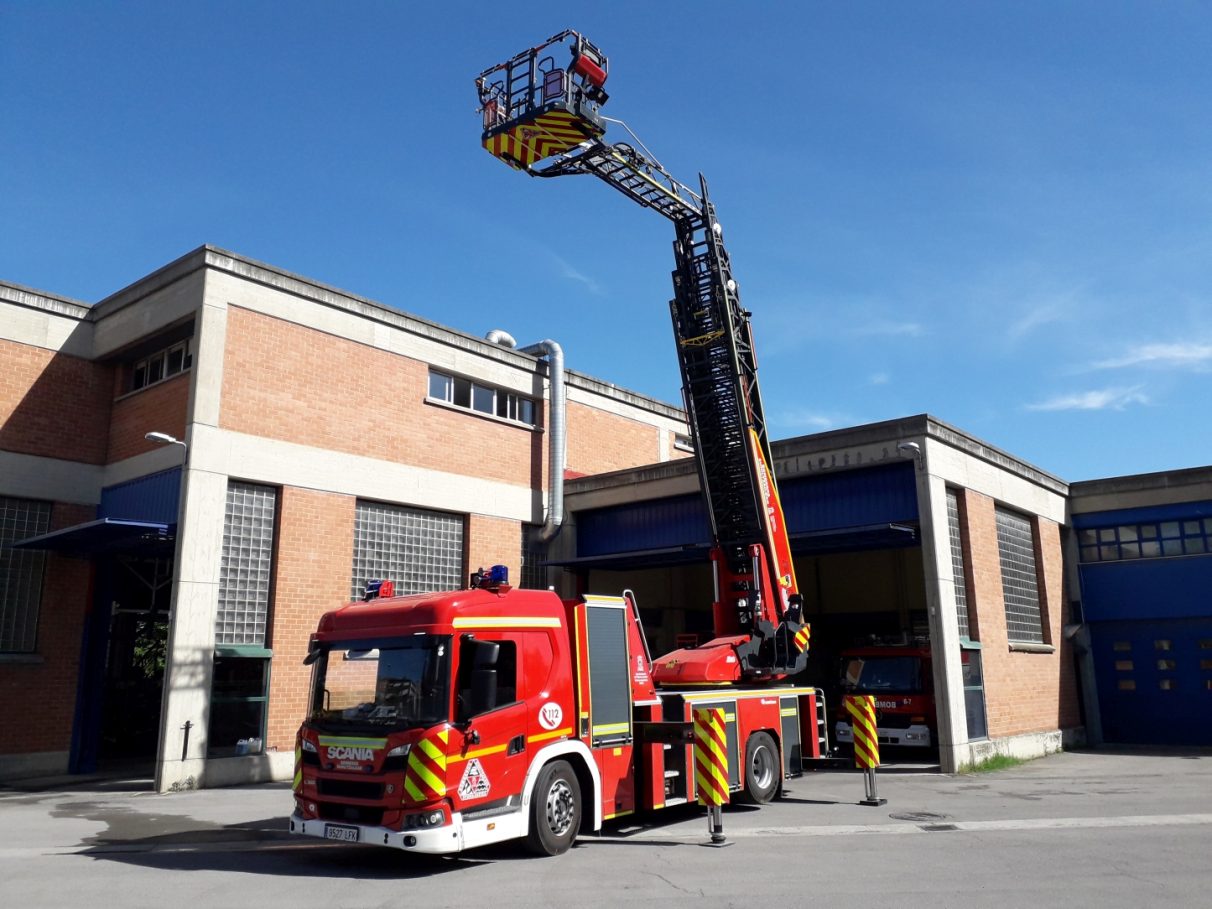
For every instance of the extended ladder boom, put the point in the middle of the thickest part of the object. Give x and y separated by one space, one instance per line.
545 119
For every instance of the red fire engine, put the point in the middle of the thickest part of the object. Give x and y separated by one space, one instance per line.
900 676
444 721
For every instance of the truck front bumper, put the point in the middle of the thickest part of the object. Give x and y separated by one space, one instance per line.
437 840
912 737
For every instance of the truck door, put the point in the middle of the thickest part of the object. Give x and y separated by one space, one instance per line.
610 690
487 761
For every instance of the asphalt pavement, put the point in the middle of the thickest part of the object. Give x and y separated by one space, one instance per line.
1109 827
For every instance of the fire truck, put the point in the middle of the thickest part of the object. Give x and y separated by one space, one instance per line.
900 676
444 721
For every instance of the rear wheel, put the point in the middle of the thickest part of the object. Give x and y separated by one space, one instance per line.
761 768
555 810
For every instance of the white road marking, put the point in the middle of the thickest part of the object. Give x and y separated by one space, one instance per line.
940 826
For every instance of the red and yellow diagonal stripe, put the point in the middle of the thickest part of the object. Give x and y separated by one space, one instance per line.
533 140
710 756
425 777
861 708
802 637
297 785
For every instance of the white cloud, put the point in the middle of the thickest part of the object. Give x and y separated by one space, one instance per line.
804 421
1177 355
879 378
888 328
1037 317
1100 399
567 271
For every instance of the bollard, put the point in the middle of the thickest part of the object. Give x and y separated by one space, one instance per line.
861 708
711 766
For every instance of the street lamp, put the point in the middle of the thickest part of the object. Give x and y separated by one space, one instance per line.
164 438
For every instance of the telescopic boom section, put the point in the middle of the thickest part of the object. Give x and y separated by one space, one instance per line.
543 116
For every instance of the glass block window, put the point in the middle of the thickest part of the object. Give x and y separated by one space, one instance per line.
1147 540
416 549
248 545
20 573
1020 581
534 553
959 577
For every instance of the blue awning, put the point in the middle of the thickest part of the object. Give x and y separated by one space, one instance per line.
107 535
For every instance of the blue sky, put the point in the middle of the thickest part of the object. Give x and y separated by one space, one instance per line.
996 213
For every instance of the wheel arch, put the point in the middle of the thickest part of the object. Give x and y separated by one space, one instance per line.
580 759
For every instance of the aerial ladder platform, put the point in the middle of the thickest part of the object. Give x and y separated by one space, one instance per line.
541 113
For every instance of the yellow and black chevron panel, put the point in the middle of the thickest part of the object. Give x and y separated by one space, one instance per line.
531 139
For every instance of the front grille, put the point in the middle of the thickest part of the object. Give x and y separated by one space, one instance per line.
350 789
355 814
887 720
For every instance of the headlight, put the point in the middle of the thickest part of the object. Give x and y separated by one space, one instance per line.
400 751
308 745
433 818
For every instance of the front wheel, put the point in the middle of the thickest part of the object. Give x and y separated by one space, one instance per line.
761 769
555 810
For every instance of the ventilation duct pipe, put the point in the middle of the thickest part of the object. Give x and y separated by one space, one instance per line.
501 337
556 441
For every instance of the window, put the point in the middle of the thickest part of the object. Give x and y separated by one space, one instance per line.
238 701
20 573
416 549
958 574
683 443
498 660
485 399
244 574
1146 540
1020 581
163 364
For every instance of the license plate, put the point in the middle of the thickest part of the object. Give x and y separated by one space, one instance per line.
337 832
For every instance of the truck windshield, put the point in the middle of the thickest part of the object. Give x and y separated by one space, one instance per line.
384 684
902 674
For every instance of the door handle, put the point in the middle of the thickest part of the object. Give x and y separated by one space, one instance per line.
517 745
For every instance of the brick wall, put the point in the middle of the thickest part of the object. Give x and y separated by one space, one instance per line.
53 405
297 384
674 452
494 541
49 683
1024 692
599 442
163 407
311 577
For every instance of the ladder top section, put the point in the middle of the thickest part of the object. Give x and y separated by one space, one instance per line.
544 101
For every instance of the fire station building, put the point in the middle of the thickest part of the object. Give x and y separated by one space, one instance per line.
197 467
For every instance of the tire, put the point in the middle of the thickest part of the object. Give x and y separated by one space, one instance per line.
555 810
763 772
